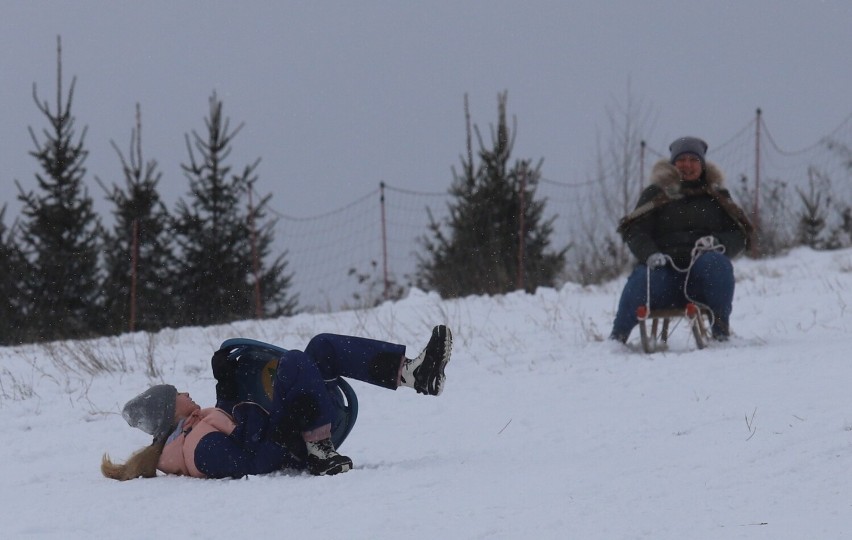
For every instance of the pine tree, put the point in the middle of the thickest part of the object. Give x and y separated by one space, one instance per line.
812 216
12 272
138 257
221 257
60 233
480 249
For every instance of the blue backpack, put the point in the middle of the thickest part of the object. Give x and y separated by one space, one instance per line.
244 370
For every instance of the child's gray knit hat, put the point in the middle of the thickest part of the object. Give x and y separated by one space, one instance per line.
152 411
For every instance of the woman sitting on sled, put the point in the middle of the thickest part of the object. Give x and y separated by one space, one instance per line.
294 433
684 232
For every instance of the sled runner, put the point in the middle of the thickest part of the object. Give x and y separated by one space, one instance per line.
244 370
699 321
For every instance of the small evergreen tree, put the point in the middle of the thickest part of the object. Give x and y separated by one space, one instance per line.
811 218
12 272
138 256
481 249
220 250
60 234
841 236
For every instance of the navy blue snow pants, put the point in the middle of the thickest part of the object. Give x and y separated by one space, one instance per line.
304 381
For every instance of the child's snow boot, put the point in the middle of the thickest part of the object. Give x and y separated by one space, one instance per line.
323 459
426 372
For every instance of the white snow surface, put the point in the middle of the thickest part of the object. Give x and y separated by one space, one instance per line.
544 430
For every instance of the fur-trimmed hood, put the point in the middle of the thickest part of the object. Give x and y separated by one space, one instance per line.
665 176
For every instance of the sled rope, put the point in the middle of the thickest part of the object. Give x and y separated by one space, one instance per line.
696 252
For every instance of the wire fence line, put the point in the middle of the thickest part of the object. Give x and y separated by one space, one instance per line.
345 257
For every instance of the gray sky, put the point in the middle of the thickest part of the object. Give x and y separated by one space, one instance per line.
336 96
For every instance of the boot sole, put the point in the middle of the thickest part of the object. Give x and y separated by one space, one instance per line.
434 386
334 469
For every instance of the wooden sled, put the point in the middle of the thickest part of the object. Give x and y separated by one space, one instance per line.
245 369
657 338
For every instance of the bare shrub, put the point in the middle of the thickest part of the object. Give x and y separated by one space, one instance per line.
599 254
88 358
84 357
13 388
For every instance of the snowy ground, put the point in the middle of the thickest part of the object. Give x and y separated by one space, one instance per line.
545 430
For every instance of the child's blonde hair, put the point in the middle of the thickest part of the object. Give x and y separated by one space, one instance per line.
142 464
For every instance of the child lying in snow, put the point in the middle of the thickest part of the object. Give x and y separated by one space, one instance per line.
295 432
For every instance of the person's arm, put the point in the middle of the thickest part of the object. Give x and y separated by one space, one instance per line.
252 422
734 237
638 232
734 242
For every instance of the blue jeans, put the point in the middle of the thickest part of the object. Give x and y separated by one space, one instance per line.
711 282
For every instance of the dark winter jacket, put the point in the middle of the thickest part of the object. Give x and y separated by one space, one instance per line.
671 215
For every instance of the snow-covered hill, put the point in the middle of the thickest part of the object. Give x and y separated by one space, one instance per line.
545 430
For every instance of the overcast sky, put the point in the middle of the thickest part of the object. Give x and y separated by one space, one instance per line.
336 96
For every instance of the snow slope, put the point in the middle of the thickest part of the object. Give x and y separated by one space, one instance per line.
545 430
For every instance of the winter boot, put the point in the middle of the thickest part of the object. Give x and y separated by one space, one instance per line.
323 459
426 372
616 336
720 329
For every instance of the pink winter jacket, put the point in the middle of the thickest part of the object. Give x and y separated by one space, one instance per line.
179 455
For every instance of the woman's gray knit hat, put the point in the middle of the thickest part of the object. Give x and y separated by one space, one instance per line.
688 145
152 411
